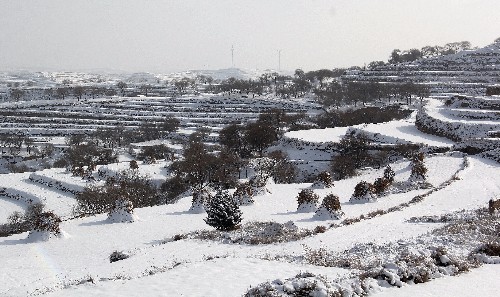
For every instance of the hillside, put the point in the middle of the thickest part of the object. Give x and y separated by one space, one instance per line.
168 253
393 208
466 72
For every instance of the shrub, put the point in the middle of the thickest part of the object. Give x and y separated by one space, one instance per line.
381 185
127 185
303 284
258 184
323 180
254 233
117 256
307 200
122 211
330 208
389 174
43 224
133 165
223 213
46 222
362 115
17 223
418 168
490 249
406 150
244 194
331 202
363 192
320 229
150 154
200 199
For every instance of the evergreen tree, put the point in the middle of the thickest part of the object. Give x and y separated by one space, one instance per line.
223 212
389 174
418 168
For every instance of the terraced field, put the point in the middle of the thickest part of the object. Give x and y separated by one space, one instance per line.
65 117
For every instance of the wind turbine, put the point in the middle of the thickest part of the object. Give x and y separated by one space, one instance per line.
232 56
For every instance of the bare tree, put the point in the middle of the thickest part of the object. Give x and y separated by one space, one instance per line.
122 85
62 92
16 94
78 91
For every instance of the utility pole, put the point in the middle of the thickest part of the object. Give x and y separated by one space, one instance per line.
232 56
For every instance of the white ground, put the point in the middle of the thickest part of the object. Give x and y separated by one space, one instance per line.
479 282
319 135
206 268
85 250
402 131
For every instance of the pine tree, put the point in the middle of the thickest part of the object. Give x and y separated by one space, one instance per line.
418 168
223 213
389 174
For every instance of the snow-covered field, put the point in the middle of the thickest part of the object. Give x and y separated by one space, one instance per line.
166 260
207 268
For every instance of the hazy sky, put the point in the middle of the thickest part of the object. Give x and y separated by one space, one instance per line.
167 35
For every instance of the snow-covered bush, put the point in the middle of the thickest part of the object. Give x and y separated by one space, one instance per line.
42 224
127 185
223 213
418 169
303 284
283 171
200 199
381 185
323 180
263 167
490 249
133 165
117 256
16 223
259 184
389 174
363 192
243 194
330 208
307 201
253 233
122 212
47 222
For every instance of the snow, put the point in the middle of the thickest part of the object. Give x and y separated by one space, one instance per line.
393 132
319 135
164 263
8 206
75 257
482 281
217 277
403 131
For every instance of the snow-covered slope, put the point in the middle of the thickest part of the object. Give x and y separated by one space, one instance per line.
156 267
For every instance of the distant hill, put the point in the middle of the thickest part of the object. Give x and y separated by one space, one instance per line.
469 71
